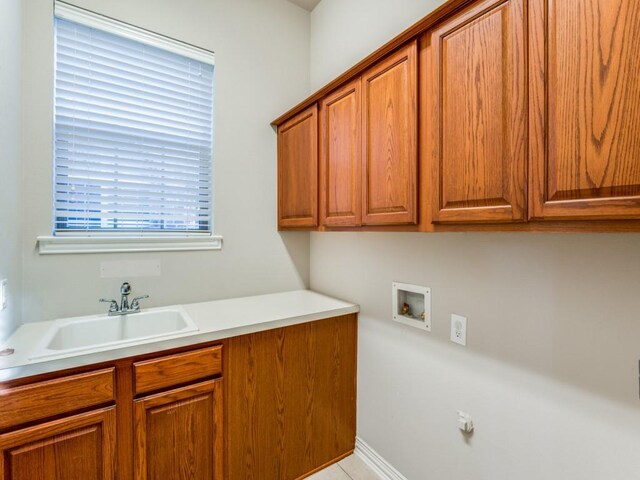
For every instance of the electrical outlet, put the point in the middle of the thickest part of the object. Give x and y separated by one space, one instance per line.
3 294
459 329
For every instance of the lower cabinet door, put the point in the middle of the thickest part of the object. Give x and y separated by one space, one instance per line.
81 447
178 434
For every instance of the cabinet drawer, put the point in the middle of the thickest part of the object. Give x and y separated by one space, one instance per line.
172 370
54 397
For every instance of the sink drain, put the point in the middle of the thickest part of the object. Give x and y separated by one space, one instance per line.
6 352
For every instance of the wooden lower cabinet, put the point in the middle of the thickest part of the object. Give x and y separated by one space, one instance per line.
291 399
178 434
81 447
273 405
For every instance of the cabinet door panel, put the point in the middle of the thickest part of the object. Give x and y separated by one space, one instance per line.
585 109
341 159
292 399
74 448
178 434
479 69
298 171
390 148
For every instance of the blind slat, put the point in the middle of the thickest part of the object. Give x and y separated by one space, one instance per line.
87 175
133 135
66 158
123 131
119 216
70 43
72 81
119 168
124 209
81 111
122 79
175 152
192 84
66 199
134 192
93 95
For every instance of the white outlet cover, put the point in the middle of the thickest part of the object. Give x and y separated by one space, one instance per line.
3 294
459 329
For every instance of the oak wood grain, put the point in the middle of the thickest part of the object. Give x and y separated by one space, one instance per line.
341 157
291 399
124 419
47 399
534 226
298 171
171 370
390 145
178 434
479 108
584 108
81 447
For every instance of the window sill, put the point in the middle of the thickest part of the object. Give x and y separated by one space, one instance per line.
104 244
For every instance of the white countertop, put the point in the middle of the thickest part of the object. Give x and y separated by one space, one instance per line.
215 320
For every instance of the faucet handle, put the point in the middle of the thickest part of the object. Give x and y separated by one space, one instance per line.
135 303
113 307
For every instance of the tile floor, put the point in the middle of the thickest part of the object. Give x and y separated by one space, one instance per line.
351 468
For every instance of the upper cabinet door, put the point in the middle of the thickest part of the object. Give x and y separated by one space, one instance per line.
479 114
298 171
585 109
340 157
390 147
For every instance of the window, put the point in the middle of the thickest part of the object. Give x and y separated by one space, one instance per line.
133 130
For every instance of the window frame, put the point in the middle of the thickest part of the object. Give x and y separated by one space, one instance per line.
97 241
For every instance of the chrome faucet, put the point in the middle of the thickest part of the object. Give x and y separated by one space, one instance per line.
125 308
125 291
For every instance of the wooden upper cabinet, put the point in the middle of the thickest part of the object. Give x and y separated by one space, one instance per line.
298 171
178 434
340 157
389 140
585 118
478 114
81 447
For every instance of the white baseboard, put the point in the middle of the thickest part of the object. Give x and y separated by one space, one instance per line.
375 462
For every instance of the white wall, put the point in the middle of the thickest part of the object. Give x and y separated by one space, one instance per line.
550 373
262 67
343 32
10 249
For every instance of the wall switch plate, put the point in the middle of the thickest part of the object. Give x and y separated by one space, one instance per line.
3 294
459 329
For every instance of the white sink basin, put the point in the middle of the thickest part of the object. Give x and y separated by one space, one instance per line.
100 332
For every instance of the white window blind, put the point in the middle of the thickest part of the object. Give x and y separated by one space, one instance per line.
133 133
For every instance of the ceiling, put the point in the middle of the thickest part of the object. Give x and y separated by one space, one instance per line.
306 4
